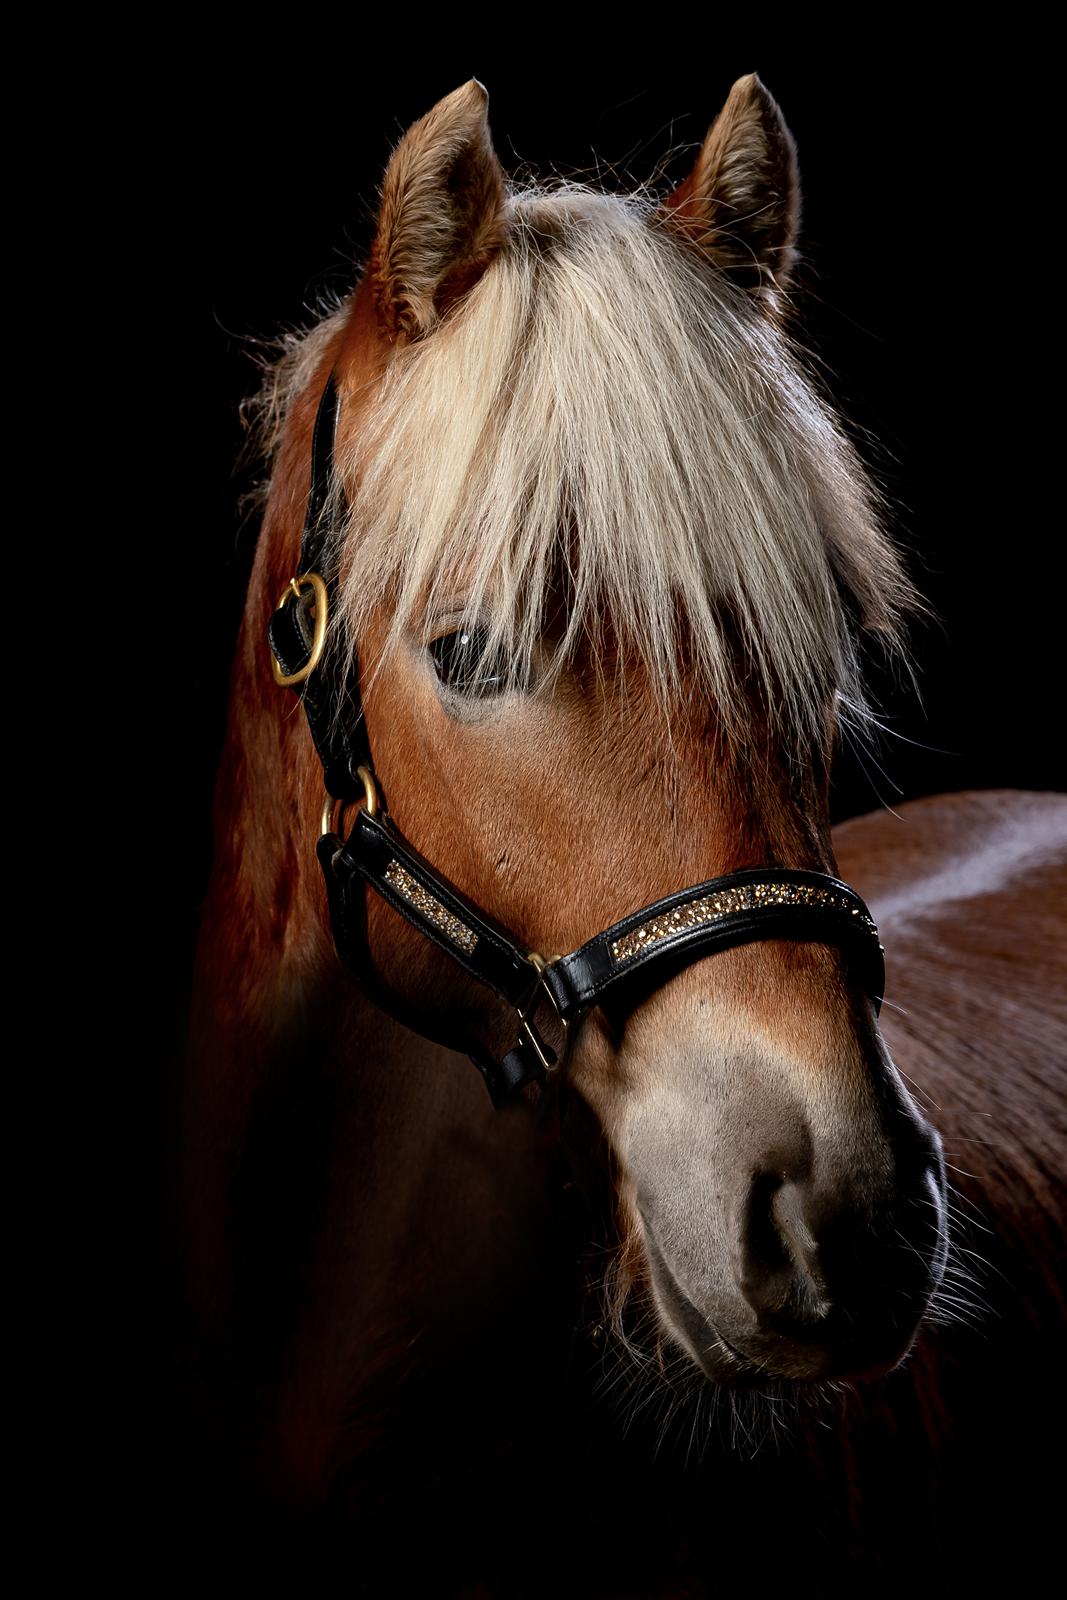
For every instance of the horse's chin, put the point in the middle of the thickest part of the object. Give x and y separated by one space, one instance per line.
723 1364
726 1362
726 1365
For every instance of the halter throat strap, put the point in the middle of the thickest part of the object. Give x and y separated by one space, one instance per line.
635 954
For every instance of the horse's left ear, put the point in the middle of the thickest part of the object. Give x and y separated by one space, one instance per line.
441 214
740 204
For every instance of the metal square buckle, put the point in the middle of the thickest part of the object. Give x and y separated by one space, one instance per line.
528 1030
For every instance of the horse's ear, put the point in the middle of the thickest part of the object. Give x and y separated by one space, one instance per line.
441 214
740 203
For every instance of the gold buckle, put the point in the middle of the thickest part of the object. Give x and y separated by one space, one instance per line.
527 1028
293 587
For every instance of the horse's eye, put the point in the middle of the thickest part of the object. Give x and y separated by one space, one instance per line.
462 665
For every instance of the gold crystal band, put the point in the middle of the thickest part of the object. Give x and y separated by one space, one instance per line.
727 902
432 909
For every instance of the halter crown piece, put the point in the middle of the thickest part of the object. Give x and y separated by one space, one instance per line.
637 954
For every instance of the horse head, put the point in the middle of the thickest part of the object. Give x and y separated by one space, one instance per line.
604 555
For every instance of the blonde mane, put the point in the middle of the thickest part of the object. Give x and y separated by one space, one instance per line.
606 404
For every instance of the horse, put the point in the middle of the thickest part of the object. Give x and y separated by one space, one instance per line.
699 1289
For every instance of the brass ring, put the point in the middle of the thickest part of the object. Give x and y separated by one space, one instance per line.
370 802
329 810
293 587
370 790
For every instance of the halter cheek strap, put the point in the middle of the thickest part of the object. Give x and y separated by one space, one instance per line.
638 953
298 628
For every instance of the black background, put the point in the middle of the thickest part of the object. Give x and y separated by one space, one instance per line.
929 291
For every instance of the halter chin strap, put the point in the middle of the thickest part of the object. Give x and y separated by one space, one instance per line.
637 954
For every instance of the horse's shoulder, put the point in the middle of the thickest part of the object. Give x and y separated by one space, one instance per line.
968 893
942 849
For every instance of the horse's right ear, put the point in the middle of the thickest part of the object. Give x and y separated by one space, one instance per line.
441 214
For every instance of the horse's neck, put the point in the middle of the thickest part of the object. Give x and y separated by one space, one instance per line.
352 1195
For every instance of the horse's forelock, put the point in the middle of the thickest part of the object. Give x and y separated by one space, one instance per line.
605 405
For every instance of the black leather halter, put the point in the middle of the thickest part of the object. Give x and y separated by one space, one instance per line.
638 953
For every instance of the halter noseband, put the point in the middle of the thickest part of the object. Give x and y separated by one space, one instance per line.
642 950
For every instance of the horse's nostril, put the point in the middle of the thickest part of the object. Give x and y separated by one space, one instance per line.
780 1273
794 1230
825 1265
